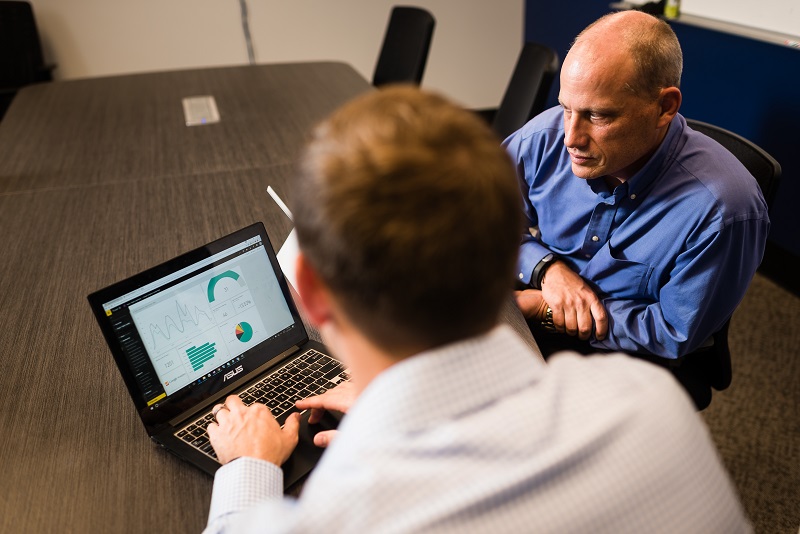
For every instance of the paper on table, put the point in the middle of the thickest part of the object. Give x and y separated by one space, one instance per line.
287 258
281 204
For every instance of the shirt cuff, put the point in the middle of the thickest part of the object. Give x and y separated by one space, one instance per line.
241 484
530 254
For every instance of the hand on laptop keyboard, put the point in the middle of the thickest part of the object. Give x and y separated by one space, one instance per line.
251 431
242 430
310 374
339 399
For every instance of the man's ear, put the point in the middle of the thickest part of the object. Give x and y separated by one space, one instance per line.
314 295
669 100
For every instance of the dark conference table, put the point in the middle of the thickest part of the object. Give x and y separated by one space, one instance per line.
100 179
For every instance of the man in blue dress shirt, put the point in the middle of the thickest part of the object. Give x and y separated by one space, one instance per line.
643 234
407 216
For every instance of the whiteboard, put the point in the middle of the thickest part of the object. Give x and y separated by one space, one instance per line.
781 16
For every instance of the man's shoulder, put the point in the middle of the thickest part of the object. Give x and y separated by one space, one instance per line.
627 416
717 171
611 366
542 134
548 122
617 381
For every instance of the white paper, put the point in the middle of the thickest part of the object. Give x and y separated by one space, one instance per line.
287 258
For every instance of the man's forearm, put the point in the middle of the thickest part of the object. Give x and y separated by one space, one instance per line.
240 485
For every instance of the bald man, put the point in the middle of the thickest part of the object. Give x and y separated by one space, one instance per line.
643 234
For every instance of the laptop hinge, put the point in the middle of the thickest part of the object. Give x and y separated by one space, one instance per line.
239 384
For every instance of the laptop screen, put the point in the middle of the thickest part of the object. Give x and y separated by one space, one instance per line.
184 330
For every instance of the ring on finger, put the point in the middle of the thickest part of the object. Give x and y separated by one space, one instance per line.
217 409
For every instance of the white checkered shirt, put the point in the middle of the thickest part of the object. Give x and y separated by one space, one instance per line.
481 436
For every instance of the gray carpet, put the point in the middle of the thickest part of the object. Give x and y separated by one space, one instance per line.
755 422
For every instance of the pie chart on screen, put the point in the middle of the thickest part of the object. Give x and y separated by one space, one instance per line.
244 332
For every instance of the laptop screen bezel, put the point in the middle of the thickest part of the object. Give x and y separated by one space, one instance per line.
156 417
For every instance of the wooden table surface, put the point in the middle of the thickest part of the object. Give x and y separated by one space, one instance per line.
100 179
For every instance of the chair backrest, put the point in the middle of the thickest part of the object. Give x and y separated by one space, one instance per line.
528 89
21 59
764 168
715 361
406 43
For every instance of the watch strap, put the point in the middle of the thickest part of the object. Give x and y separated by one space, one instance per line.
538 272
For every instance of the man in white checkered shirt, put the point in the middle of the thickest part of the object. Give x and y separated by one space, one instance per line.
408 215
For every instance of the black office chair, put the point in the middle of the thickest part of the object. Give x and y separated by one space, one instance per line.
406 43
21 59
710 366
764 168
527 92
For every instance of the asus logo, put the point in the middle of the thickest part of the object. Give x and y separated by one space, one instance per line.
231 374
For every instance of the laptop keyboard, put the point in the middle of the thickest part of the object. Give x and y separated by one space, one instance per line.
312 373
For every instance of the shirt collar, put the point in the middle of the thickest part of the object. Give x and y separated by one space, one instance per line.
445 382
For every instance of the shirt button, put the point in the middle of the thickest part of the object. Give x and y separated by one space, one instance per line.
633 197
521 276
595 238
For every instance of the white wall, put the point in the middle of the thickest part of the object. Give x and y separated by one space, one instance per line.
475 44
782 16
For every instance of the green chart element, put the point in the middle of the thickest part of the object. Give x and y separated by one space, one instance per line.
213 282
244 332
200 355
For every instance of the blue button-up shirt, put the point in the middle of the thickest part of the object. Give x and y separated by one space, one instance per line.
670 252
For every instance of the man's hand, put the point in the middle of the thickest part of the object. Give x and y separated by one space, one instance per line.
251 431
573 302
531 303
339 398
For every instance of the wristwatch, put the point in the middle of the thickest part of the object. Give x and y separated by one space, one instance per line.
539 270
548 324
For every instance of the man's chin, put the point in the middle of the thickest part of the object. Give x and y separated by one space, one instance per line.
585 173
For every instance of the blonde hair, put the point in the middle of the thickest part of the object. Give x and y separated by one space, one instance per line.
408 209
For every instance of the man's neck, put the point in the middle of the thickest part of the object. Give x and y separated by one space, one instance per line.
365 359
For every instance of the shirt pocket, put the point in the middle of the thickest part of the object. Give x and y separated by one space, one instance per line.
618 277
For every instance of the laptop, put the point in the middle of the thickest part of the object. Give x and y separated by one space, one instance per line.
216 321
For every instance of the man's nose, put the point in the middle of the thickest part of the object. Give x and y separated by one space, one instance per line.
574 135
